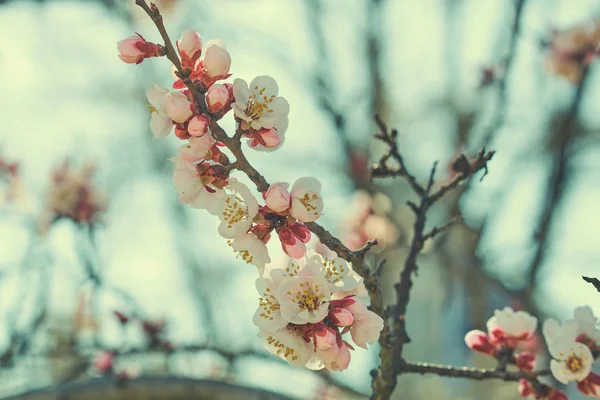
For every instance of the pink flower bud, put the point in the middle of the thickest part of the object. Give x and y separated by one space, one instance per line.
525 361
277 197
217 60
479 341
198 126
301 232
269 138
342 359
341 317
325 337
132 50
217 97
104 362
296 250
190 46
178 106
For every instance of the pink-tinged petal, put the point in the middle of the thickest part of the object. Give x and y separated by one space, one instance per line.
156 96
160 125
178 107
296 250
190 44
277 197
341 317
131 49
366 330
217 60
479 341
198 126
217 97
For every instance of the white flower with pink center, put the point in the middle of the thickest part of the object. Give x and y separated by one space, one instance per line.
366 326
289 345
304 298
307 203
259 106
252 250
508 326
191 188
236 210
268 316
585 323
196 150
572 360
337 273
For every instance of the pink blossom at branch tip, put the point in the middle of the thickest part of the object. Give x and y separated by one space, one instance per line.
217 97
190 48
307 203
277 197
177 106
217 60
479 341
198 126
134 49
104 362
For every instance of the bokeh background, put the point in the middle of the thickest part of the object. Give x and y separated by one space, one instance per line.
451 75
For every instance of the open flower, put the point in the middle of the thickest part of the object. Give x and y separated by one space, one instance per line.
193 184
572 361
337 273
252 250
236 210
268 316
160 123
304 299
510 327
307 203
258 105
197 149
289 345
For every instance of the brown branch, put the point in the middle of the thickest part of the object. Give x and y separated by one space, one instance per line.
394 335
468 373
439 229
593 281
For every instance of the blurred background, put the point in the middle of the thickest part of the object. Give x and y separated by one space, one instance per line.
130 270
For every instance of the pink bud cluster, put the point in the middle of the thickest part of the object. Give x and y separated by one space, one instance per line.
306 309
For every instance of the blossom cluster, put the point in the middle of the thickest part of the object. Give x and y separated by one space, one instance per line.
573 345
305 309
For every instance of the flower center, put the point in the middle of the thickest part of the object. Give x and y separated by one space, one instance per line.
307 297
334 273
574 363
269 304
282 349
244 254
235 211
151 108
307 200
258 104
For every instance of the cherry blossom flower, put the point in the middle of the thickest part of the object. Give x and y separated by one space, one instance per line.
252 250
217 60
572 360
584 324
160 123
217 97
192 184
190 47
366 326
337 273
277 197
262 113
268 316
307 203
289 345
198 125
134 49
293 239
177 106
236 210
509 327
479 341
304 299
342 359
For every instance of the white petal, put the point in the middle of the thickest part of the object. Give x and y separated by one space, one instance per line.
264 82
240 92
160 126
